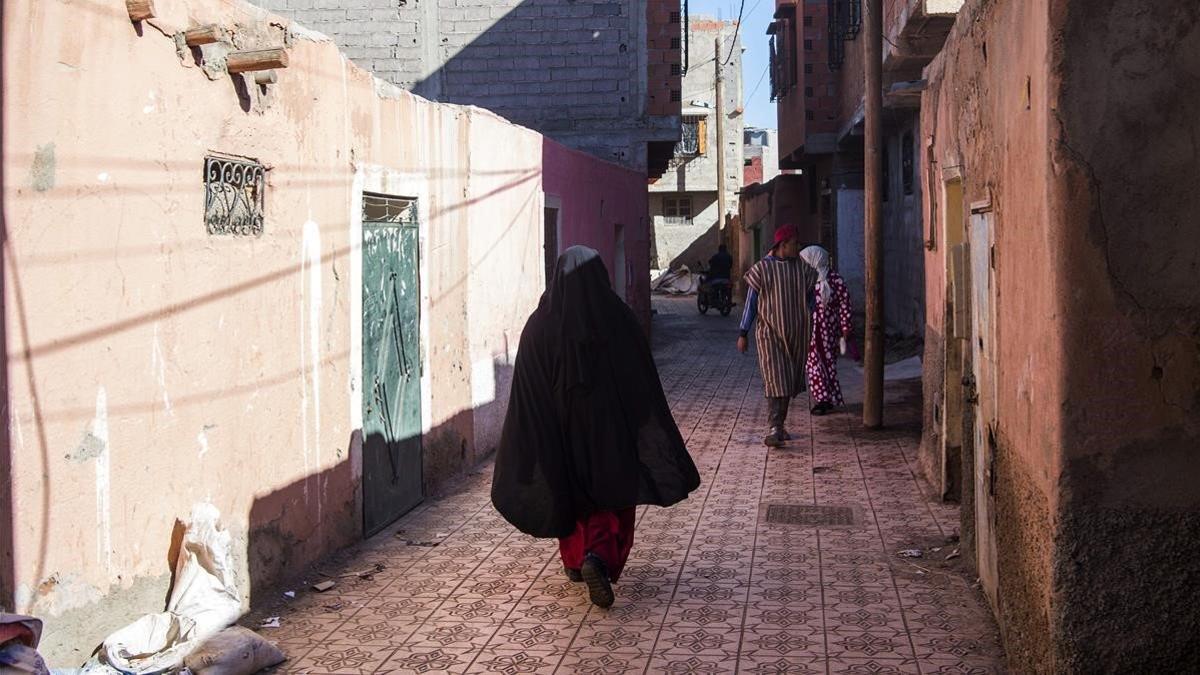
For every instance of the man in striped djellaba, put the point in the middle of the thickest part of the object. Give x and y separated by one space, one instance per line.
777 300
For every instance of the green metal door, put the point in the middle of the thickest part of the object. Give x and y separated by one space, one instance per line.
392 480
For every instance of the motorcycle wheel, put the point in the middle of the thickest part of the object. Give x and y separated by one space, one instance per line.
726 309
701 304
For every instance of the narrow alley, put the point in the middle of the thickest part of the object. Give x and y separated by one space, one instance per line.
721 583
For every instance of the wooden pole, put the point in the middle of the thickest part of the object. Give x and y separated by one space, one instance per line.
258 59
720 121
140 10
204 35
873 235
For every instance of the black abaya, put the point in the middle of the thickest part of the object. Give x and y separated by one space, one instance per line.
588 426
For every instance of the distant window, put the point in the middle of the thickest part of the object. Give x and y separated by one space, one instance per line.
808 92
906 163
809 115
675 17
693 136
676 43
808 45
676 69
678 209
783 58
808 68
808 21
676 96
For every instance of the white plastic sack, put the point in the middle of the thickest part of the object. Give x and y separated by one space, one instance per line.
234 651
205 586
204 600
678 282
154 643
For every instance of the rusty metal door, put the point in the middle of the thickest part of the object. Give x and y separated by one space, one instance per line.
392 467
982 394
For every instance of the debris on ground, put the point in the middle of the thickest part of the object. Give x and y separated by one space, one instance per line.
204 601
291 595
411 542
911 553
234 651
269 622
367 574
323 586
952 555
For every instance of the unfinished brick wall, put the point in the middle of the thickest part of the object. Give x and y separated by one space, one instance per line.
664 57
576 71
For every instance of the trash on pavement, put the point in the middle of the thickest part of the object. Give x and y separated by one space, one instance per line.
290 594
911 553
204 600
952 555
323 586
234 651
269 622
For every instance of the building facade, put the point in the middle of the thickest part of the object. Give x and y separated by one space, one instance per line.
684 207
297 298
817 81
1061 360
760 155
601 76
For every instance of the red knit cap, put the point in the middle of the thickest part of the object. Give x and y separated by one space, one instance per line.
784 233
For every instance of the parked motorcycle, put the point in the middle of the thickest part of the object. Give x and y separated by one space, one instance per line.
714 294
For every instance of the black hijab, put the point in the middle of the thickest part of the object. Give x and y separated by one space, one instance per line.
588 427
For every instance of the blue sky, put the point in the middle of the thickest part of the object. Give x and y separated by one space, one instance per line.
760 111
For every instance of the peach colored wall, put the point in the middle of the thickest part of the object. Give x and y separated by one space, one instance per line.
152 366
975 115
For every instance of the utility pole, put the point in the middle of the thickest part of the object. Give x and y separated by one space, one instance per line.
873 236
720 121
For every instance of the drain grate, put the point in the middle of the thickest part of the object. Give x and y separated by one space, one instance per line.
808 515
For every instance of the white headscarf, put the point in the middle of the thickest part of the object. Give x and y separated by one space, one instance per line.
818 259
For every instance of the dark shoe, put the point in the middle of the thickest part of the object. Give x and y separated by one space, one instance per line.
784 435
774 439
595 574
573 575
822 408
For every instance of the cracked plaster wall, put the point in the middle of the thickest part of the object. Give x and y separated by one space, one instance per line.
1078 121
152 365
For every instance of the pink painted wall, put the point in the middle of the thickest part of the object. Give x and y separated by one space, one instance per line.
596 197
151 366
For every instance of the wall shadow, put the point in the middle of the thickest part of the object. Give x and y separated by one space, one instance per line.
288 544
699 251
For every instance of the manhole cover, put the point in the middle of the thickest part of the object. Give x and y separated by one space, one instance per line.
809 515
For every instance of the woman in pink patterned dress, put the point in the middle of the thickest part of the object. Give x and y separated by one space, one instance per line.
831 322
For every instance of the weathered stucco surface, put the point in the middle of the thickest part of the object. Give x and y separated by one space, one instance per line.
151 366
974 111
1077 122
1127 128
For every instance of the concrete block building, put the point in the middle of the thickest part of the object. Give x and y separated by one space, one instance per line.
602 76
684 207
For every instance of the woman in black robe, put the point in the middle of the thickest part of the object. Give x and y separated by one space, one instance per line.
589 435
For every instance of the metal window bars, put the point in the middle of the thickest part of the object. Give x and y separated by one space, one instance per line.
689 141
845 23
234 196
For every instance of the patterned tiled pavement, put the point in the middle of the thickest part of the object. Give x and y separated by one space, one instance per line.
711 586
